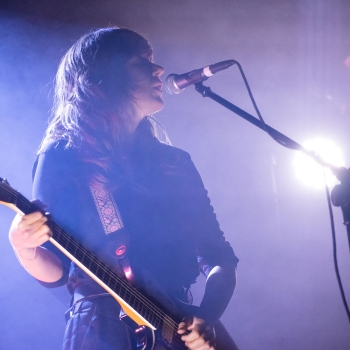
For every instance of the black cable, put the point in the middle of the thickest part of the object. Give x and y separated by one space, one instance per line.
257 109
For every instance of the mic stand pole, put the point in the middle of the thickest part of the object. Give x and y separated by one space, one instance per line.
205 91
340 194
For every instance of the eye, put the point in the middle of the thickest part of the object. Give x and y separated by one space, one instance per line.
145 62
147 54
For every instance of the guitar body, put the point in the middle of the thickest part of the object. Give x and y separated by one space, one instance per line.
146 339
164 337
154 319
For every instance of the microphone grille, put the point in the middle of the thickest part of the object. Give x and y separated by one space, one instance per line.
170 85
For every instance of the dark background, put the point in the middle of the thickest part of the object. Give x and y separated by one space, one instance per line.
293 54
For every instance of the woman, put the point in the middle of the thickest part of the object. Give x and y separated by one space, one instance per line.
101 140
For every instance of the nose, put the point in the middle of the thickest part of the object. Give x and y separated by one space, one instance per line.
157 70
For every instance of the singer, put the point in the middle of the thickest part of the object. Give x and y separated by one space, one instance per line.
137 203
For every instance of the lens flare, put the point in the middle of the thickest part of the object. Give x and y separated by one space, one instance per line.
310 172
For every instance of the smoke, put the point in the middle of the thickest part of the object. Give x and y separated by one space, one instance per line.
293 54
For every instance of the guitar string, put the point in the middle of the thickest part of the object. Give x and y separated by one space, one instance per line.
172 324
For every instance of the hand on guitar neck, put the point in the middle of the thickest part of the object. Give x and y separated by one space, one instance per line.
26 235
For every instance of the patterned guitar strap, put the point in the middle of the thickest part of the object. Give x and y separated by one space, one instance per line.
118 238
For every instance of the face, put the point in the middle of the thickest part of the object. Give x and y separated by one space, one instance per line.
146 86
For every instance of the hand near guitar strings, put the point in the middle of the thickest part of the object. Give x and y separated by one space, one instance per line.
201 336
28 232
26 235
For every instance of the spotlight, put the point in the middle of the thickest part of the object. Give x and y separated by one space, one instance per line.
310 172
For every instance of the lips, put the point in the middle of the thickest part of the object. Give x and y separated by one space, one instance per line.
158 87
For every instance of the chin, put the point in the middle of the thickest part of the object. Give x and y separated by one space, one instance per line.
157 106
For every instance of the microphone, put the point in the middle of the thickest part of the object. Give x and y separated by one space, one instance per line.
175 84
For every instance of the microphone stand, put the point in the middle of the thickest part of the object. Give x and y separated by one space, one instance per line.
340 194
341 198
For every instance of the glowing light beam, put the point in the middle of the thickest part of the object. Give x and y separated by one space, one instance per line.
310 172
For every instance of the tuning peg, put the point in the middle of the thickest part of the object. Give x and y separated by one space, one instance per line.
4 181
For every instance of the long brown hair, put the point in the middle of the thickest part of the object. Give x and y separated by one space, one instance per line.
92 88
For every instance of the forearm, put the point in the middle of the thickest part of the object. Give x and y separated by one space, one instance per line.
41 263
219 288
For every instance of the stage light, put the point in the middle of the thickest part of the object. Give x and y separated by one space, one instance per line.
310 172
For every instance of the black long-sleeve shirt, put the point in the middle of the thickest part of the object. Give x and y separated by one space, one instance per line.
163 204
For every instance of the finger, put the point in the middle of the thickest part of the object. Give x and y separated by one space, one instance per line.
44 234
33 227
193 343
198 345
185 324
191 336
31 240
197 325
25 226
203 332
32 217
39 236
182 328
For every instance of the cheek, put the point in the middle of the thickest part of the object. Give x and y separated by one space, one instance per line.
142 89
141 80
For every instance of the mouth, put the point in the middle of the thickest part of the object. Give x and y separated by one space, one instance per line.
158 87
